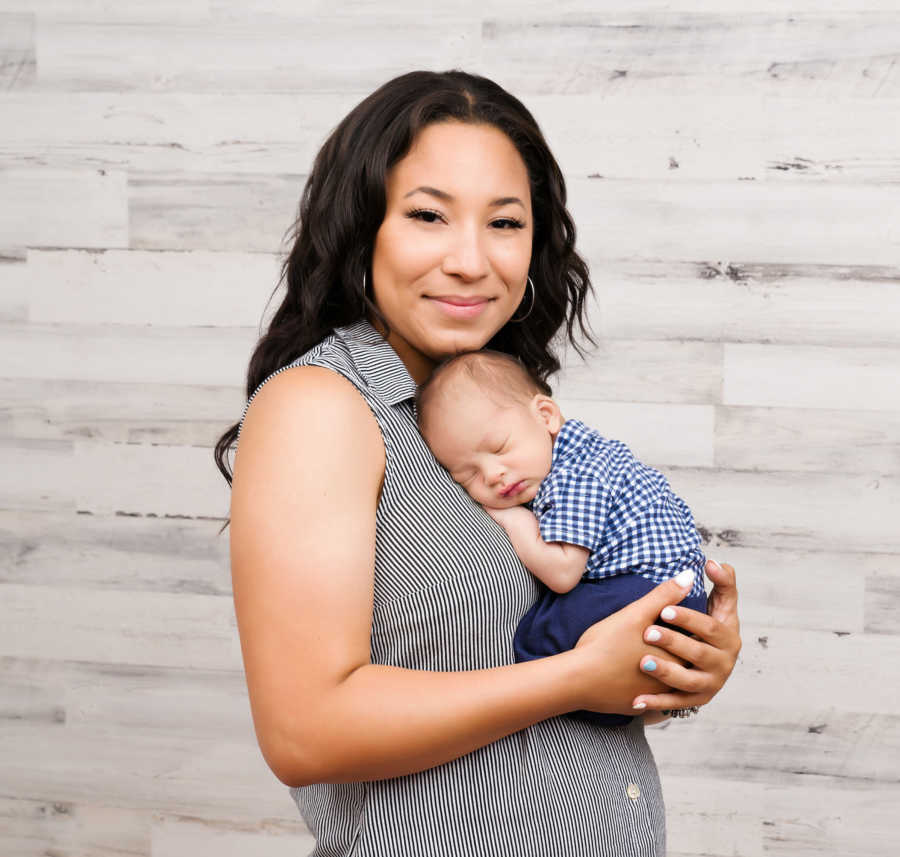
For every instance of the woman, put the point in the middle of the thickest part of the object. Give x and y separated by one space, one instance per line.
376 602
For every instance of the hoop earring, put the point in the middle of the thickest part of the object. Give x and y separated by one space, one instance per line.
531 307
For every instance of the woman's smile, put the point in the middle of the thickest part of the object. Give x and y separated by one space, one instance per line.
460 307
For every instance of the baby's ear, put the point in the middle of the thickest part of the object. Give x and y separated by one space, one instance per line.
549 412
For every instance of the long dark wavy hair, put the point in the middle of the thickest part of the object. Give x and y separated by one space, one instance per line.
343 205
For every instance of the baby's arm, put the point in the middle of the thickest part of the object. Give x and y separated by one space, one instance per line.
557 564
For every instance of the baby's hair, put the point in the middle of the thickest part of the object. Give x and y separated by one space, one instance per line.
499 375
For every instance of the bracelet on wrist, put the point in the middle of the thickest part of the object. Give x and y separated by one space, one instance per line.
681 712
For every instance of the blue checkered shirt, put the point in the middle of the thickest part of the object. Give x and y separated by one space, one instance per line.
599 496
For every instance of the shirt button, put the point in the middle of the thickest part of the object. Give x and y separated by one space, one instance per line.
633 791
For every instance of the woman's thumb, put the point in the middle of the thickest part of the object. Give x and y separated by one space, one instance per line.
676 588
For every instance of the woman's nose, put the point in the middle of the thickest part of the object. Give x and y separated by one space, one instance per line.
466 257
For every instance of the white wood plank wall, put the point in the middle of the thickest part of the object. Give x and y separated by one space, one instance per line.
735 180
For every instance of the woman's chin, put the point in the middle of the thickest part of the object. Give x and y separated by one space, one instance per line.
459 341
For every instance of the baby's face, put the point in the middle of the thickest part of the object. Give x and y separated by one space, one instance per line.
498 451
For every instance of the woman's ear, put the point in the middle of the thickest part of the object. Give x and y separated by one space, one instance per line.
548 412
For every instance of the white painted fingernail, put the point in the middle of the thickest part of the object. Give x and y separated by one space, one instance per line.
685 578
639 705
668 613
714 564
652 635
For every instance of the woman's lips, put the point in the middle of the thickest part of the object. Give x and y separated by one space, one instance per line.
460 307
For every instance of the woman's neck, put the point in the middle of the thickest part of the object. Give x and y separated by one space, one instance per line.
417 364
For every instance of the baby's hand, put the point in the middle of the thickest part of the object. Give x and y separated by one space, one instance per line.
518 521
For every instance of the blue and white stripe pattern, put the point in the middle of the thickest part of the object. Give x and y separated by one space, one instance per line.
599 496
449 591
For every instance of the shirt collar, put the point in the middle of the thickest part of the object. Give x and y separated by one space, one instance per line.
378 363
572 435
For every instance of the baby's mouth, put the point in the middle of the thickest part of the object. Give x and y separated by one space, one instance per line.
513 489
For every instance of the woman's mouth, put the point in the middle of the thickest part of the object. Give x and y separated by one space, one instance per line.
461 307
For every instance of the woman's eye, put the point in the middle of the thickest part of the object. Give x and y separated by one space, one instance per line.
426 215
423 214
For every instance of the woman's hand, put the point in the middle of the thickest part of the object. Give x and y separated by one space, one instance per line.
609 654
711 656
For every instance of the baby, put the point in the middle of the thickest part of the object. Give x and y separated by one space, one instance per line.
596 526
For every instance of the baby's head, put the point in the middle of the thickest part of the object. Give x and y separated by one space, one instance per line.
491 424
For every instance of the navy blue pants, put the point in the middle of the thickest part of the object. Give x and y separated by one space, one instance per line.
556 620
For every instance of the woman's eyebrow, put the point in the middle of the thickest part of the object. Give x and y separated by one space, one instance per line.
442 194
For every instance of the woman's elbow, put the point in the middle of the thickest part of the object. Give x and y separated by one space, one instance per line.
296 760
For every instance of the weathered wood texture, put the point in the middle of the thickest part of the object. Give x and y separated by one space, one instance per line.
734 179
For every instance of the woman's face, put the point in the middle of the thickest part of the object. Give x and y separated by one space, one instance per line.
451 257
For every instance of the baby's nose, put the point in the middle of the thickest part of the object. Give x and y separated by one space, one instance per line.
496 475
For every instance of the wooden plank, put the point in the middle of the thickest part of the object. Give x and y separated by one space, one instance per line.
39 475
175 836
855 750
725 222
167 414
122 10
618 135
164 289
806 511
830 441
164 133
173 211
14 292
17 51
112 479
756 53
247 52
755 819
742 301
127 353
702 818
127 698
161 774
644 371
64 208
882 600
793 589
38 828
632 130
135 553
687 438
537 8
820 377
153 628
803 676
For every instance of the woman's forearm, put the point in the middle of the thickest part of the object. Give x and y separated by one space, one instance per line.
384 721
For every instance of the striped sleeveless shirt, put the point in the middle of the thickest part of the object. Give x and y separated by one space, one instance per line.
449 591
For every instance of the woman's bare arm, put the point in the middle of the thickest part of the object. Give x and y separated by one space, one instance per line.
307 477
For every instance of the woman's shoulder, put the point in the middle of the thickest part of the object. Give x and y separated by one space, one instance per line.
323 369
318 389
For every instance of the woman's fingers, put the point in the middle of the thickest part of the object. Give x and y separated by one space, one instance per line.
681 646
670 591
711 653
723 598
675 675
706 627
665 701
